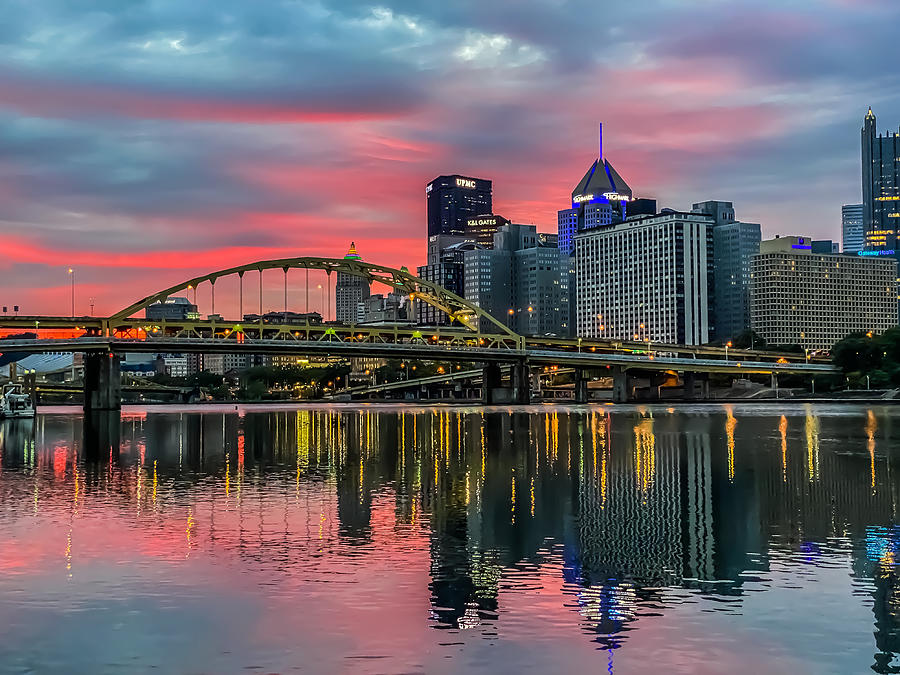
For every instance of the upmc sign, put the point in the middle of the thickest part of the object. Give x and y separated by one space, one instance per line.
465 182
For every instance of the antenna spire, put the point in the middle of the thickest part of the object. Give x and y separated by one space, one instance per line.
600 141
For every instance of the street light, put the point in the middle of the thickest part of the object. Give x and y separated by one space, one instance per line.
72 274
324 317
727 345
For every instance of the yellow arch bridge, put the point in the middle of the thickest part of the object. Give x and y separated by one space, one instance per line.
472 335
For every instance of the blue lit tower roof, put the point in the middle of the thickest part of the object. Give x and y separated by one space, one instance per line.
601 183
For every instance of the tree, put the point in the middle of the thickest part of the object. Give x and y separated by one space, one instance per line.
858 352
749 339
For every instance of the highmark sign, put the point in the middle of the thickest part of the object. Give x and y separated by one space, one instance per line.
609 196
616 197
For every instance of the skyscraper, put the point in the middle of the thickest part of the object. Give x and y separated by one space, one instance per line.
852 234
813 300
648 278
734 244
523 281
599 199
451 201
880 186
349 291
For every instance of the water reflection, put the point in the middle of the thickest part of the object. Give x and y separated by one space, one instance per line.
620 517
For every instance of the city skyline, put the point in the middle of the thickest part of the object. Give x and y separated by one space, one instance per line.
138 149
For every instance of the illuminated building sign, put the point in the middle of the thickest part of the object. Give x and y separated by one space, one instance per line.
428 188
868 253
616 197
802 247
892 198
480 222
577 199
465 182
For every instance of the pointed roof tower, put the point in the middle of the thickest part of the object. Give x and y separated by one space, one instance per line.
351 253
601 182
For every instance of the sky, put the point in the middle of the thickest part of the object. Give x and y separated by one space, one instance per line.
145 142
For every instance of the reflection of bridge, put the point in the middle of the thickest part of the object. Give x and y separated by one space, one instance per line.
473 336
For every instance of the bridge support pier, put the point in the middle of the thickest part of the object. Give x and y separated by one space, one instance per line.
691 382
102 382
621 390
518 391
520 379
581 386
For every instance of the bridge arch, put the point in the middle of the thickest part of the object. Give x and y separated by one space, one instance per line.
457 308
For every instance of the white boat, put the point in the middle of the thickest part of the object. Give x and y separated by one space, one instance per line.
14 403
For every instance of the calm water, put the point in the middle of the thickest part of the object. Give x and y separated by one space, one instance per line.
711 539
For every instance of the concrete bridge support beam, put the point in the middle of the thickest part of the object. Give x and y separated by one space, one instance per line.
581 386
491 380
520 379
102 382
696 386
621 390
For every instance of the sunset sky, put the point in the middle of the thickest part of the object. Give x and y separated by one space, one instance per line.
144 142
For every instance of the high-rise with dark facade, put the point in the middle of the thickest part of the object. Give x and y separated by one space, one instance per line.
880 187
452 200
734 245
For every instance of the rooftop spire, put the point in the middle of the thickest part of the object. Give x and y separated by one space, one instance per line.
600 142
351 253
870 115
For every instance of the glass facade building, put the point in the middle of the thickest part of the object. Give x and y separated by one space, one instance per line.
852 234
450 202
880 186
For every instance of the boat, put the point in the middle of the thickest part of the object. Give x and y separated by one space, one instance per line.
14 403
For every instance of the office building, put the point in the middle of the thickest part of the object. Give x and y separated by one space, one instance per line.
852 234
599 199
824 246
523 281
814 300
379 308
446 270
481 229
647 279
349 291
880 186
173 309
734 244
450 201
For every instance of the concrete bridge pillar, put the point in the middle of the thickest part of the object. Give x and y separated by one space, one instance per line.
581 386
518 391
102 382
490 383
694 381
621 390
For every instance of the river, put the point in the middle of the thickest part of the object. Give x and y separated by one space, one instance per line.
623 539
